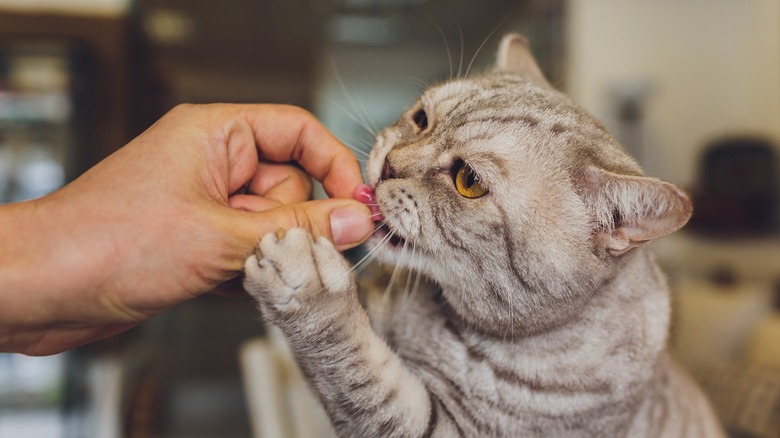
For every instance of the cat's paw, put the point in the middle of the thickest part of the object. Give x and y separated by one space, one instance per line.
291 272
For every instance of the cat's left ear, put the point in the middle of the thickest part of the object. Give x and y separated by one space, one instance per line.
514 55
632 210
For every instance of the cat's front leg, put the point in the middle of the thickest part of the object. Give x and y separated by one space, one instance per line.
306 288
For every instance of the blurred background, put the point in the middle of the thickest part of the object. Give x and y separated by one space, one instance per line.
691 88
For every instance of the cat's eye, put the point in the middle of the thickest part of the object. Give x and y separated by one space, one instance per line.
420 118
467 182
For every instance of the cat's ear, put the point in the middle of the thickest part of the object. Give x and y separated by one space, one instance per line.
514 55
632 210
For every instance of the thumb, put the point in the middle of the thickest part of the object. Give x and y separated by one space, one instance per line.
344 222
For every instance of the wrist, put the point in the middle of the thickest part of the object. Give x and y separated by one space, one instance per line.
45 262
18 242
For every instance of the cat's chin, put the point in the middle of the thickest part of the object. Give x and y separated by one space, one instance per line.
392 249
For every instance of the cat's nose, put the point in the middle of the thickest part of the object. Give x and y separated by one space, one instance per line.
387 171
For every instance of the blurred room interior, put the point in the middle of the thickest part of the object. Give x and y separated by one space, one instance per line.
692 89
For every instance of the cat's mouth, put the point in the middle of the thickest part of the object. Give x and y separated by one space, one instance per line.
366 194
394 240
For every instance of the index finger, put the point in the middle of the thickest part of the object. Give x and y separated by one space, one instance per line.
287 133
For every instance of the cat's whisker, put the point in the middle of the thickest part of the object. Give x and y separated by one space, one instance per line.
356 149
393 275
368 117
408 292
371 128
423 85
379 227
366 144
370 253
487 38
362 161
409 271
416 283
346 112
446 44
462 50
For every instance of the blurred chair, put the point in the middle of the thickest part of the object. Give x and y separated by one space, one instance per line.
281 402
737 191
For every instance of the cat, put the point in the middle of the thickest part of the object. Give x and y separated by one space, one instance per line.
538 311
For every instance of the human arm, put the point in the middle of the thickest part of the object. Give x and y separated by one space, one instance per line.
163 220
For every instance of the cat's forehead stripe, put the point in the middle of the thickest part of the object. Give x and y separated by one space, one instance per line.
558 128
444 101
453 104
468 112
493 101
521 119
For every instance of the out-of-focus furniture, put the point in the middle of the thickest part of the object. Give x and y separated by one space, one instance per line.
108 42
726 324
280 401
737 192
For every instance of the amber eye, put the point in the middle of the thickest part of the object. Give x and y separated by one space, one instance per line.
420 119
467 182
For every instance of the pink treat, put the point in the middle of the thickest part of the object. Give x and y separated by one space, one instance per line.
365 194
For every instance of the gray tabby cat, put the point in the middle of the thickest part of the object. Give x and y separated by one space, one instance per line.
540 314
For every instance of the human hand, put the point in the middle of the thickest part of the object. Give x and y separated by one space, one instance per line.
164 219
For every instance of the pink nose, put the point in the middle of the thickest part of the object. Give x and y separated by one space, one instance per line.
365 194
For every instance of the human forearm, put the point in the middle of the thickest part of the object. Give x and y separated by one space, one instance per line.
22 233
45 275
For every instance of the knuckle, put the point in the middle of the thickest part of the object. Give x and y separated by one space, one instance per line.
304 182
304 218
300 112
182 108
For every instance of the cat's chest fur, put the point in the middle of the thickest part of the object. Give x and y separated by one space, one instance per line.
590 376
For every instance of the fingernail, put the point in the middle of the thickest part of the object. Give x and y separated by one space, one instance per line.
350 224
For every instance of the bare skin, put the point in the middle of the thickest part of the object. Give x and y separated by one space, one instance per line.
165 219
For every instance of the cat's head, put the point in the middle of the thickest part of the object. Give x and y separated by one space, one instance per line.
513 198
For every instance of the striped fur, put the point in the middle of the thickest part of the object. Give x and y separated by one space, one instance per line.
537 313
